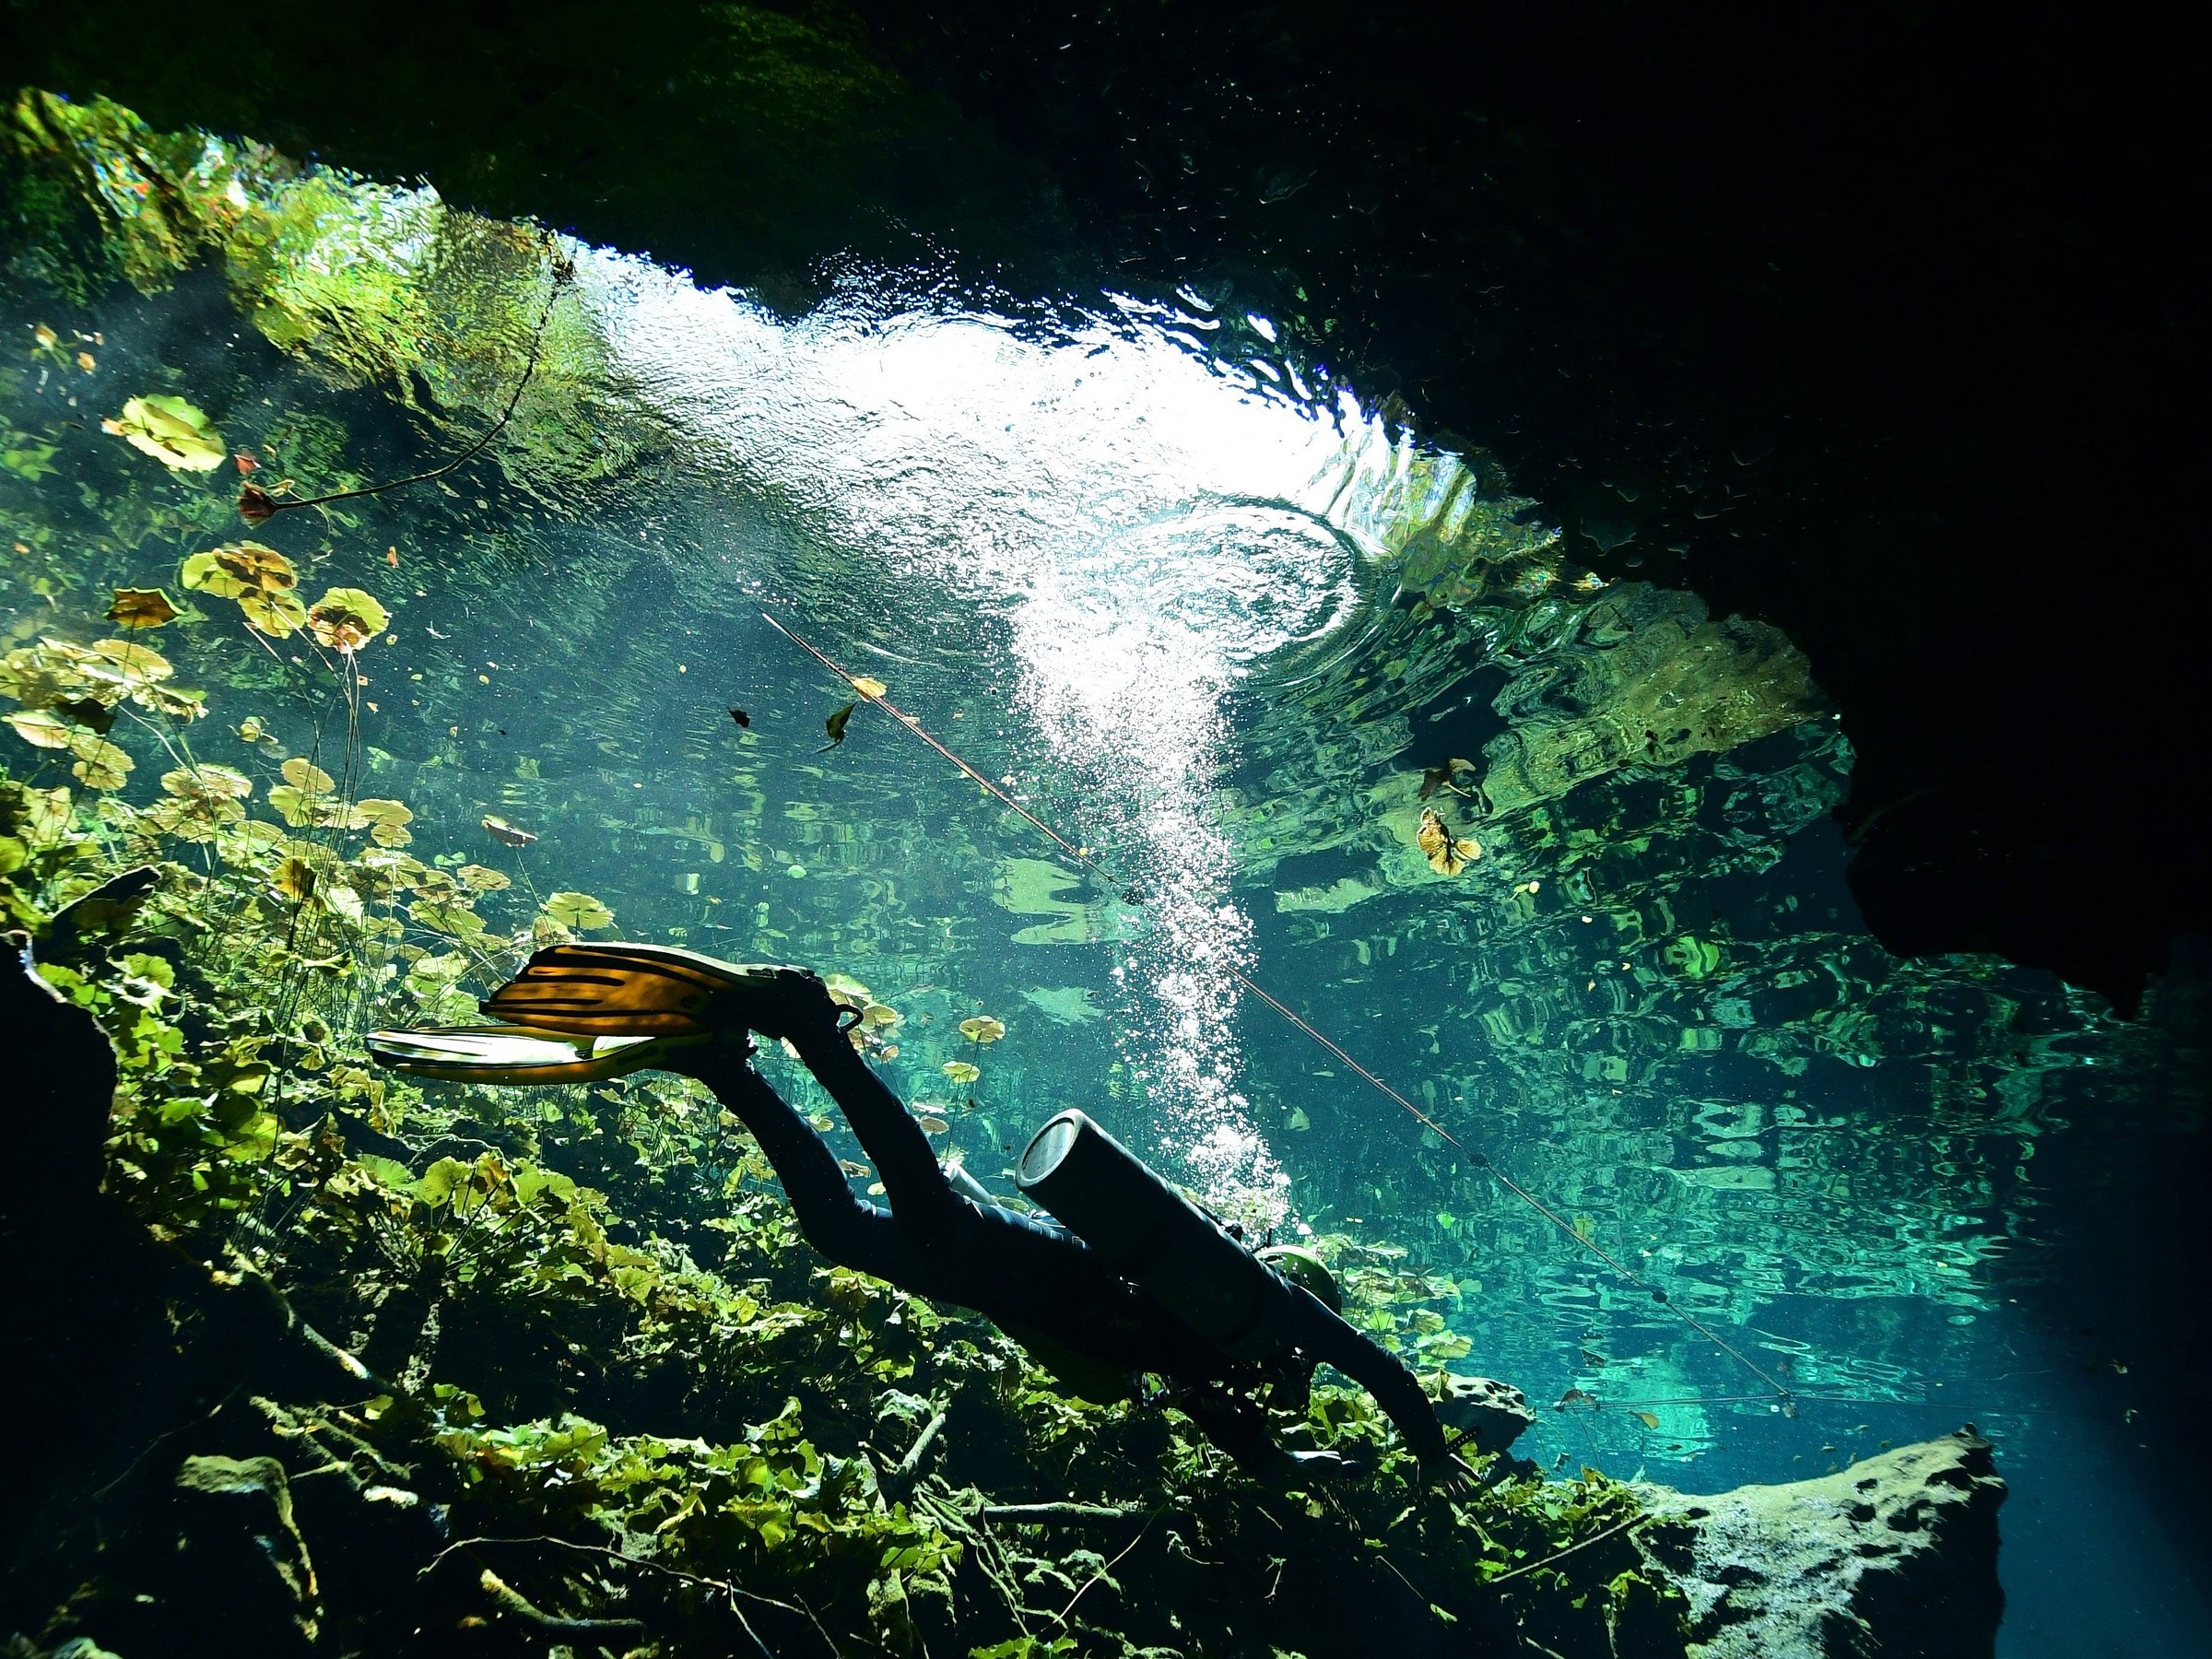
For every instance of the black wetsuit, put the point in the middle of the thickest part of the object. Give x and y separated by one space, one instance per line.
1025 1274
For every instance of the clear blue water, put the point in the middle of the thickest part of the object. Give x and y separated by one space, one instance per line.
1214 629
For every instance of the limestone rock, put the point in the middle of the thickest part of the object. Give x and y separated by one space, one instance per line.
1895 1556
1494 1414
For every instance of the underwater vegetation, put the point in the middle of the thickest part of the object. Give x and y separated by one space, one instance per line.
411 1369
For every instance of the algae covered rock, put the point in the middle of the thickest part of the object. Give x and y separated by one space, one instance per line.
1491 1414
1897 1555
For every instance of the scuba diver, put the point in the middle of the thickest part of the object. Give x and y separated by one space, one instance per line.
1121 1279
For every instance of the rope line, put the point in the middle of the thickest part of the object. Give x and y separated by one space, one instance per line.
1475 1155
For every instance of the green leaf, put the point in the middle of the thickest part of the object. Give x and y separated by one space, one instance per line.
390 1172
345 619
172 430
441 1181
578 910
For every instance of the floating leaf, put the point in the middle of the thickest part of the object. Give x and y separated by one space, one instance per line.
483 880
835 726
142 608
509 834
960 1071
277 615
1650 1420
306 775
123 663
174 701
99 763
37 727
448 918
386 821
578 910
981 1028
207 782
239 568
293 805
934 1125
294 879
345 619
1447 854
170 430
250 730
869 688
1446 776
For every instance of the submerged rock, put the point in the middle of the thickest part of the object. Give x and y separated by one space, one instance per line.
1897 1555
1491 1414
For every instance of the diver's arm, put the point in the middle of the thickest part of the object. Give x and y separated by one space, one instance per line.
1322 1335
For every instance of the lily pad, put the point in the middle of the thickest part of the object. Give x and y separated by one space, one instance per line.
142 608
295 805
37 727
123 663
99 763
960 1071
239 568
482 879
981 1028
275 615
578 910
172 430
512 835
306 775
345 619
206 781
387 821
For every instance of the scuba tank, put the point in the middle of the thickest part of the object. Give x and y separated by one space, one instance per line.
1146 1230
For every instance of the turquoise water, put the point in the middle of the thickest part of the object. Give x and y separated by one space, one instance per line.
1212 618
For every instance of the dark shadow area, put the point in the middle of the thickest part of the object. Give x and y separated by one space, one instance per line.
1880 324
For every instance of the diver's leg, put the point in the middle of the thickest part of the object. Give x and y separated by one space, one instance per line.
845 1228
905 1161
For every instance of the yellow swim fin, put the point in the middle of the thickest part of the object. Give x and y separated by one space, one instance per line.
633 990
506 1053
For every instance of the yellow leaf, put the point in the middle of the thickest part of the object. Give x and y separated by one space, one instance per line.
981 1028
37 727
172 430
869 688
960 1071
1447 854
307 776
141 607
